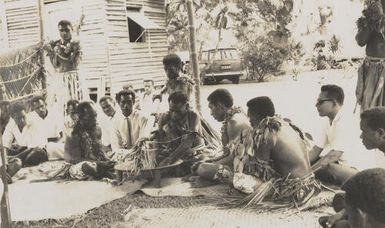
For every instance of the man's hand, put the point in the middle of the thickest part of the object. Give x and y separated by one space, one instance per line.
5 176
332 157
362 22
142 139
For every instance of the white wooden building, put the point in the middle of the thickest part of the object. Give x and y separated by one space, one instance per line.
123 41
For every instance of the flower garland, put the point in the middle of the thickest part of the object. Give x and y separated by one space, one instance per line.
229 114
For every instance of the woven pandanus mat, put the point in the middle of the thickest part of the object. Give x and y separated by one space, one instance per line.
212 217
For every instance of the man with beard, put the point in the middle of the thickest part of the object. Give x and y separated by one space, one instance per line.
83 148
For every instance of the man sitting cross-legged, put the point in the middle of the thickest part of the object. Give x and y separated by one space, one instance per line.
128 125
49 125
373 137
181 128
235 125
84 150
280 155
334 151
279 159
21 140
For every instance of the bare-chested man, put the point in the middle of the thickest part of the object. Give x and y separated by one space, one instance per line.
235 124
371 32
277 141
280 155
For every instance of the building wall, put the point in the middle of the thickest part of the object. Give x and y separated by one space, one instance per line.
109 58
20 23
93 39
134 62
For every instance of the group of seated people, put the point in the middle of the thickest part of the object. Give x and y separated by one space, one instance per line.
257 146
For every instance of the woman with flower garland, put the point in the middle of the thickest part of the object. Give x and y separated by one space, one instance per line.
83 149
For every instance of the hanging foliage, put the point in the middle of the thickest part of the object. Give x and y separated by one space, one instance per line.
21 73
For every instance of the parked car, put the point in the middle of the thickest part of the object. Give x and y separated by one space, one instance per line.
219 64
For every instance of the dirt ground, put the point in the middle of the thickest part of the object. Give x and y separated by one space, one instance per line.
115 211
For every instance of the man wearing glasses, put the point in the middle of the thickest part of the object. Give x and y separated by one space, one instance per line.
333 151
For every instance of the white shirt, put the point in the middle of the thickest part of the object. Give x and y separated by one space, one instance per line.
340 135
27 137
51 125
147 105
106 125
140 127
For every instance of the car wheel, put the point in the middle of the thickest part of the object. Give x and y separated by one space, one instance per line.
235 80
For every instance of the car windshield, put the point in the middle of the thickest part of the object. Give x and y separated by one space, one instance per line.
221 54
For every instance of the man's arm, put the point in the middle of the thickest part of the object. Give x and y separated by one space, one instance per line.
50 48
76 54
195 122
235 128
116 139
314 153
331 157
8 136
146 126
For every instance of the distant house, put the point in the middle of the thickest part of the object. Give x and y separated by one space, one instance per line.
123 41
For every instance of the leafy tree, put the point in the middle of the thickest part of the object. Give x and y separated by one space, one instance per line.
265 42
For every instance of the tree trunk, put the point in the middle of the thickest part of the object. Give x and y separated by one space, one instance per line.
193 54
41 52
6 221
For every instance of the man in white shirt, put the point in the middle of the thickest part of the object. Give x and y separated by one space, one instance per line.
128 125
49 124
21 140
108 106
334 151
148 105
